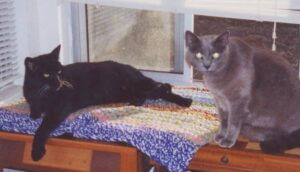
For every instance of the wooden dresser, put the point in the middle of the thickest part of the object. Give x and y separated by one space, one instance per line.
244 157
69 155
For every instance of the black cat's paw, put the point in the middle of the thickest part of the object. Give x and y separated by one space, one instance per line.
164 88
137 102
185 102
37 154
271 147
226 143
167 87
35 115
218 138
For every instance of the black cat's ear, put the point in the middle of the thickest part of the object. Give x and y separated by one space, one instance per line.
222 41
55 53
191 40
29 64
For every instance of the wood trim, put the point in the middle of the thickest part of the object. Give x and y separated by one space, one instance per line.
76 143
130 160
61 157
210 158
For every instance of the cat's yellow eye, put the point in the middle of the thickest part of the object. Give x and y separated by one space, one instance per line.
215 55
199 55
46 75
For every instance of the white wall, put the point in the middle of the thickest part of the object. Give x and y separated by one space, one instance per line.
37 27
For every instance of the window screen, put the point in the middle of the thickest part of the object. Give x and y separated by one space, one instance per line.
141 38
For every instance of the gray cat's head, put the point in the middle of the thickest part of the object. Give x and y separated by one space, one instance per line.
207 53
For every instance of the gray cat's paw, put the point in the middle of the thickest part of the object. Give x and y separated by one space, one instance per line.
226 143
218 138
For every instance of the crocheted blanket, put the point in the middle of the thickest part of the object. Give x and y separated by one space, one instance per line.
167 133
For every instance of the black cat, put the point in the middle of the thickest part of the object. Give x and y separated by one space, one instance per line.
57 91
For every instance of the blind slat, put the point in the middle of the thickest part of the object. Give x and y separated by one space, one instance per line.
6 5
7 30
6 24
7 74
8 48
8 42
8 80
7 17
6 11
8 60
8 67
5 1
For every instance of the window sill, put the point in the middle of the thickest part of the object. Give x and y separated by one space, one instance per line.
10 93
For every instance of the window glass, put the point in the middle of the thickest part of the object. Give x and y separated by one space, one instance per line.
143 39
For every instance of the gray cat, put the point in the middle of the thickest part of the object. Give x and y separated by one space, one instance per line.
256 91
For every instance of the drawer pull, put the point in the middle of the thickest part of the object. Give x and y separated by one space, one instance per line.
224 159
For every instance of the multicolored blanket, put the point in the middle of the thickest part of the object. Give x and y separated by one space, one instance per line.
167 133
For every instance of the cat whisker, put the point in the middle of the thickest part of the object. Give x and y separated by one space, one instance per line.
63 83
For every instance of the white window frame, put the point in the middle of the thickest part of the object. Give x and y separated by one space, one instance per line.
77 42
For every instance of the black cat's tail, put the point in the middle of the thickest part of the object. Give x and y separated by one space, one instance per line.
164 91
282 143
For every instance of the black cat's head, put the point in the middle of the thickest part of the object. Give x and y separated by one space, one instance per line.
206 53
45 69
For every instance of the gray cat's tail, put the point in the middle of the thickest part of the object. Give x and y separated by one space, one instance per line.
294 139
281 143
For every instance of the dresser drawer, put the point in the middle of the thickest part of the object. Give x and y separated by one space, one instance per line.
239 159
219 159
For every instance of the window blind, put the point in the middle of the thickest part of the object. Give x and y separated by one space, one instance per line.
286 11
8 55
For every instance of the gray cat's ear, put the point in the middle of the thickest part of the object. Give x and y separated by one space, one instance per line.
55 53
29 64
188 60
222 41
191 40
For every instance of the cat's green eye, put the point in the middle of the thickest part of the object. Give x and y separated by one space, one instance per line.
46 75
199 55
215 55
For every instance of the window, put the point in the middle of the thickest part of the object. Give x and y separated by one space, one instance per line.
151 41
144 39
8 57
121 48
